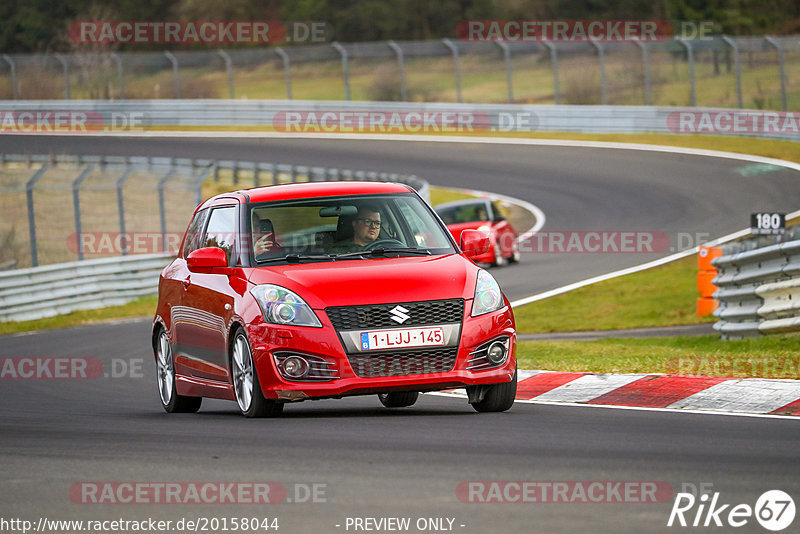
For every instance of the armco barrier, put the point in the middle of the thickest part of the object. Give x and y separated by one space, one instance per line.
759 288
338 116
50 290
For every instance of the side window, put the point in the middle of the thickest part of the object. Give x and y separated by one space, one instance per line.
221 230
195 232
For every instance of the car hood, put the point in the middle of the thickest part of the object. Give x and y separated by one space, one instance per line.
374 280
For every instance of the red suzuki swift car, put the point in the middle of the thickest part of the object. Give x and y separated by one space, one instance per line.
484 215
328 289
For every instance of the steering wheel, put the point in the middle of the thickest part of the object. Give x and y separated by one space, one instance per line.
384 243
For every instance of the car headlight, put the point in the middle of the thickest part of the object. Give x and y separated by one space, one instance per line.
488 297
281 306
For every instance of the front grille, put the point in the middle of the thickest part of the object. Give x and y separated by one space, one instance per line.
378 316
416 362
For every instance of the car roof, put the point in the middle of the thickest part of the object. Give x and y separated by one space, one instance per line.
459 203
310 190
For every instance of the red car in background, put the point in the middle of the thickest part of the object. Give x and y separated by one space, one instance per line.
327 289
484 215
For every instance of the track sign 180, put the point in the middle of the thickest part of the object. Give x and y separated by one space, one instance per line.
767 223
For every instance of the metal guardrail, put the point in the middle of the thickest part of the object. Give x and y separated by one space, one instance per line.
38 292
588 72
759 286
390 117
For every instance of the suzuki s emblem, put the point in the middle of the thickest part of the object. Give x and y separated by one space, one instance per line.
399 314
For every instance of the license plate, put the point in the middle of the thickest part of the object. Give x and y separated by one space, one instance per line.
407 337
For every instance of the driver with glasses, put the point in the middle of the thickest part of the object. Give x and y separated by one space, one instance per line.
366 228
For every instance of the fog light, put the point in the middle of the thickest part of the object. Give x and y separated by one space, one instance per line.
295 367
496 352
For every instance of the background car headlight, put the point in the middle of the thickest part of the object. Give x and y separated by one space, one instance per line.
281 306
488 297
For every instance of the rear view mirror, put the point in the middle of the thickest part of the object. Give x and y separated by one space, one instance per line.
338 211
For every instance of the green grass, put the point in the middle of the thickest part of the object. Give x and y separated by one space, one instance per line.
766 357
661 296
142 307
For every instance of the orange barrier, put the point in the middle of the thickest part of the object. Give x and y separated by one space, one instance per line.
706 273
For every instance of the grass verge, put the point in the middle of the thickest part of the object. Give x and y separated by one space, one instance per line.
661 296
142 307
764 357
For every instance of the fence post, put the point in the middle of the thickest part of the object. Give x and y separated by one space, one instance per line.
690 58
286 70
509 72
456 65
401 67
774 42
13 68
31 214
648 91
76 206
65 67
198 191
161 209
345 68
737 67
176 80
121 208
554 63
120 74
601 62
228 70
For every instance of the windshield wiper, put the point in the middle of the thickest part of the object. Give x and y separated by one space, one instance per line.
380 251
297 258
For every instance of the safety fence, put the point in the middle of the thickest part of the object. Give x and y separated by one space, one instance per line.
61 208
759 286
721 71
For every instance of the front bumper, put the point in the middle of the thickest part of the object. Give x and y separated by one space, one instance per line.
325 343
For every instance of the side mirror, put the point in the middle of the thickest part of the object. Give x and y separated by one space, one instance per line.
474 242
204 260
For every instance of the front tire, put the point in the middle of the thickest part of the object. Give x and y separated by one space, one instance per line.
245 381
165 373
515 254
498 397
498 255
398 399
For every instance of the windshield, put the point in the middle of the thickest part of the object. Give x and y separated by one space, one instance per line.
463 213
343 227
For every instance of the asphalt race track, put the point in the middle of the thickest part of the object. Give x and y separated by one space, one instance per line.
378 463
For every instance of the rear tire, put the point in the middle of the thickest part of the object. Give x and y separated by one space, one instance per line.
498 398
515 254
398 399
245 381
165 373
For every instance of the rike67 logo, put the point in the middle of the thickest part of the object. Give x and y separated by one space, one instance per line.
774 510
